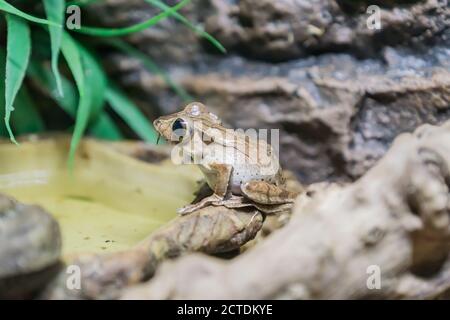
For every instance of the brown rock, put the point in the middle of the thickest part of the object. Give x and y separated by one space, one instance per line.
30 247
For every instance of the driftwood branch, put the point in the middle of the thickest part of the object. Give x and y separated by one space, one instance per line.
211 230
395 218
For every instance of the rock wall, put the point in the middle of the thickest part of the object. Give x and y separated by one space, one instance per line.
338 91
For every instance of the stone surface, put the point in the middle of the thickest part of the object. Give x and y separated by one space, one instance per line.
338 91
280 30
30 247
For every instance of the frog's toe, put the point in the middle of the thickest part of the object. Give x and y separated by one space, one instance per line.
199 205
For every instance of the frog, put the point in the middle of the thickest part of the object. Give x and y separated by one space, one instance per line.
241 170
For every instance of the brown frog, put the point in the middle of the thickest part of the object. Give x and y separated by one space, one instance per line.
241 169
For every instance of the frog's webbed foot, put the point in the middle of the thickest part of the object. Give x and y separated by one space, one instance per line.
199 205
266 193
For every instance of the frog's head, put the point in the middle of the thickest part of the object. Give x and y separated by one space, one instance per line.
178 126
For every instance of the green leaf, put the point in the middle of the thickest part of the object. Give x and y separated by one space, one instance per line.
151 66
72 55
95 81
3 131
116 32
54 10
6 7
102 127
17 57
131 114
26 118
161 5
43 77
81 3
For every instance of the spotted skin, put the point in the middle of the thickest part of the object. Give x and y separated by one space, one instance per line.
241 170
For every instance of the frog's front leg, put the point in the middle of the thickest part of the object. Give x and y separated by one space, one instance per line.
266 193
222 175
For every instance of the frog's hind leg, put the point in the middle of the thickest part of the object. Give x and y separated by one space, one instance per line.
199 205
266 193
222 174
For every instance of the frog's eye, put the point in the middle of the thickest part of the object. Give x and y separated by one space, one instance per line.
179 129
